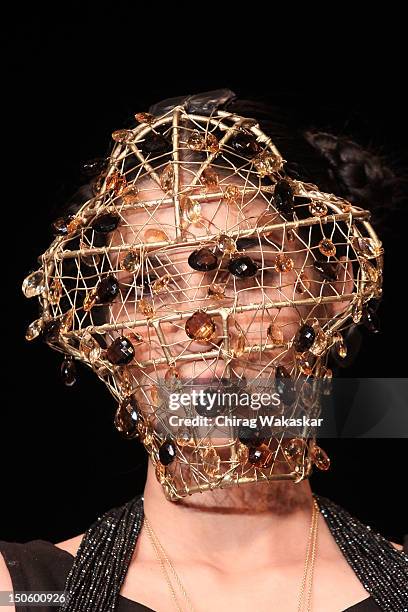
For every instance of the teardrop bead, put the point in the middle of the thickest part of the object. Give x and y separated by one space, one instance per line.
127 418
203 260
283 198
68 371
304 338
34 284
167 452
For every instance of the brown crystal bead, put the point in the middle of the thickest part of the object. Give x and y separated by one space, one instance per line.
260 456
90 348
211 143
74 224
216 291
123 136
124 378
320 458
302 283
167 178
66 321
145 118
275 334
61 225
34 329
341 346
267 163
130 194
209 177
305 363
283 263
240 345
243 267
226 244
190 210
121 351
154 235
283 198
320 343
34 284
160 472
107 289
294 450
242 454
326 247
55 291
345 206
131 262
145 308
200 326
203 260
68 371
370 272
357 310
106 223
245 144
318 209
196 141
167 452
304 338
327 270
127 418
211 462
184 439
231 194
160 283
90 300
51 330
116 182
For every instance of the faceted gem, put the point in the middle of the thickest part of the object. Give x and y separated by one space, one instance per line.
370 320
240 344
283 263
160 283
145 308
211 461
106 223
260 456
370 272
130 195
155 144
200 326
203 260
302 283
123 136
66 321
167 178
125 380
226 244
51 330
294 450
243 267
283 198
209 177
231 194
145 118
127 418
154 235
196 141
318 209
245 144
121 351
93 167
34 329
190 209
107 289
131 262
275 334
250 436
34 284
68 371
167 452
320 343
341 346
90 300
357 310
216 291
267 163
326 269
90 260
90 348
320 458
304 338
60 225
242 454
74 224
305 362
55 291
116 182
211 143
326 247
160 472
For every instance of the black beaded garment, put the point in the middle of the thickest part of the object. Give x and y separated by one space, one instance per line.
99 569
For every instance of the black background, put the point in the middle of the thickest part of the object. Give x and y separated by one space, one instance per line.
76 76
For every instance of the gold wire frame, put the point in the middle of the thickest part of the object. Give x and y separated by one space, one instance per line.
63 294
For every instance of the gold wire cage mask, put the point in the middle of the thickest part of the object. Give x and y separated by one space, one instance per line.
199 264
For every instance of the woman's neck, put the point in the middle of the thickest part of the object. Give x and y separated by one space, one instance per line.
215 525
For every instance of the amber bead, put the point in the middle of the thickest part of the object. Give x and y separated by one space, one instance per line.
131 262
326 247
203 260
167 452
108 222
127 418
283 263
320 458
211 461
318 209
243 267
154 235
123 136
304 338
200 326
121 351
275 334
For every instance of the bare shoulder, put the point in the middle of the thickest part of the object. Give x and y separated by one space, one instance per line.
71 546
5 582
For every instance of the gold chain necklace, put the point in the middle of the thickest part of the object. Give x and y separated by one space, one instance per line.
305 593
